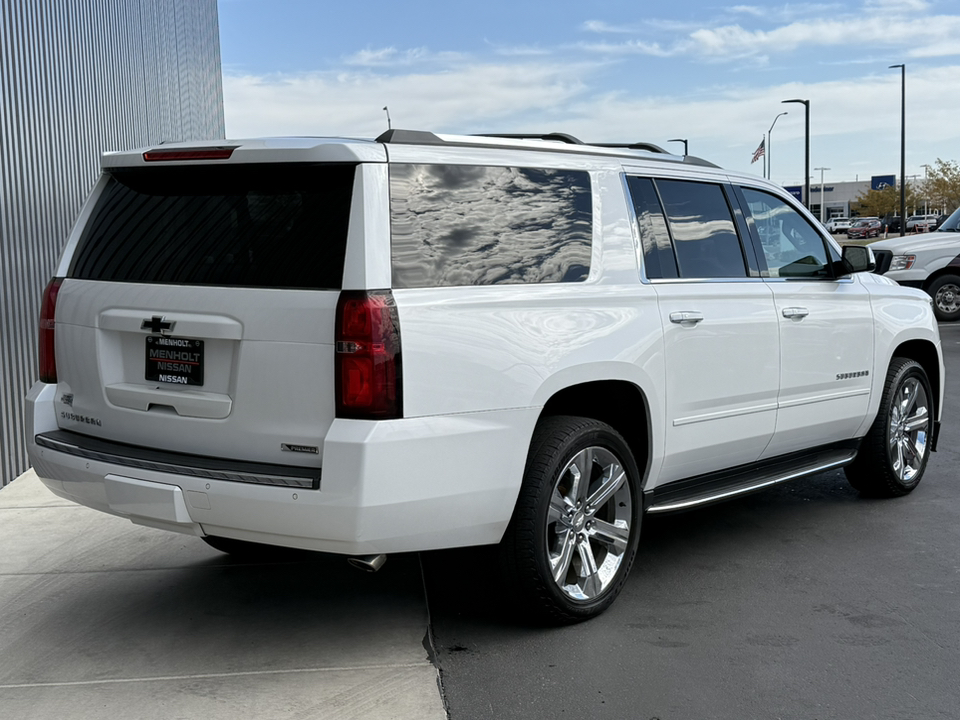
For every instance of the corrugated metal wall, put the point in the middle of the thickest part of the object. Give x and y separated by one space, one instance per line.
78 78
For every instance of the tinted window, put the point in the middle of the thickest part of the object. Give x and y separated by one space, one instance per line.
473 225
791 246
658 258
279 226
703 230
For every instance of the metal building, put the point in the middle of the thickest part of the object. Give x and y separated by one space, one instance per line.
76 79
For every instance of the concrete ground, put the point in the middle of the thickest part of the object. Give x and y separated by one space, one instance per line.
100 618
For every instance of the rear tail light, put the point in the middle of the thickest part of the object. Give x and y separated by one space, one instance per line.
368 374
48 310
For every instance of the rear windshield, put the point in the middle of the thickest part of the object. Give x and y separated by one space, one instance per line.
279 226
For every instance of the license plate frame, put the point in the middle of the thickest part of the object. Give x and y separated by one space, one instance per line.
173 361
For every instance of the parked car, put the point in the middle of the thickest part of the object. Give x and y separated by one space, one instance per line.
923 223
838 224
428 341
891 223
864 228
930 262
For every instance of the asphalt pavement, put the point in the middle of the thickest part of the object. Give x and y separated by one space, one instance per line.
802 602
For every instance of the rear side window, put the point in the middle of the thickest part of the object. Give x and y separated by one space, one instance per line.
704 234
659 260
477 225
279 226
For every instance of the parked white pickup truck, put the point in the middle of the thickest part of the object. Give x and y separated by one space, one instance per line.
929 261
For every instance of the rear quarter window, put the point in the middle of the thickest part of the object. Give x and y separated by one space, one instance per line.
278 226
456 225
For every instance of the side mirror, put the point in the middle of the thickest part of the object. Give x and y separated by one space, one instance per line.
858 258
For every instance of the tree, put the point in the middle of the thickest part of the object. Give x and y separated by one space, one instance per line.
886 201
943 185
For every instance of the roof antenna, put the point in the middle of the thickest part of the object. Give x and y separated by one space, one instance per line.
387 111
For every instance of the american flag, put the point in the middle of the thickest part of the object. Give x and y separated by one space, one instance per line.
758 153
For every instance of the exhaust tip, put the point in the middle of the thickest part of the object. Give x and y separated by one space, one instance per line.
367 563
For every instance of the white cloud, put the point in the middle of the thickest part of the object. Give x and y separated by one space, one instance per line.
854 124
899 6
598 26
469 97
633 47
902 24
391 57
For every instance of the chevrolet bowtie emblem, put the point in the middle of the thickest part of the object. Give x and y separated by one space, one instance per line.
157 324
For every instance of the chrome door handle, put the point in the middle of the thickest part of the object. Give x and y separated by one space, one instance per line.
686 317
795 312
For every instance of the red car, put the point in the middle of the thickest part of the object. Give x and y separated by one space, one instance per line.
864 228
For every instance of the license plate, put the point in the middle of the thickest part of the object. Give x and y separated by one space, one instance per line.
178 361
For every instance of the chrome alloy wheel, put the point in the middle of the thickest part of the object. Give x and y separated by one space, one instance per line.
948 298
909 429
588 523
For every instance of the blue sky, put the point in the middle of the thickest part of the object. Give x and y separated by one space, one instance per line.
711 72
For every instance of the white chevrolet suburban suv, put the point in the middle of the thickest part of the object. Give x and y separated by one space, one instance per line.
430 341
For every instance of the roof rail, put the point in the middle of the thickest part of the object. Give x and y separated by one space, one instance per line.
649 147
421 137
555 136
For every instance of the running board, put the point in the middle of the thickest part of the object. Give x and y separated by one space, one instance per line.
727 484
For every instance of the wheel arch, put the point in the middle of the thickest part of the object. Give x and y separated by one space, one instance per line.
619 403
925 353
939 273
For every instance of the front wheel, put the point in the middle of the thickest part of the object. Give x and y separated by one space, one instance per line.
571 542
894 454
945 291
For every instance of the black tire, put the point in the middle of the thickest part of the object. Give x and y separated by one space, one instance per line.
945 291
894 454
569 532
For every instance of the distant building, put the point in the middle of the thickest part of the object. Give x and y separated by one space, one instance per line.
839 198
76 79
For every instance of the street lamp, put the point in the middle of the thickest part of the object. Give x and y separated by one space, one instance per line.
684 141
926 193
770 144
806 165
821 169
903 147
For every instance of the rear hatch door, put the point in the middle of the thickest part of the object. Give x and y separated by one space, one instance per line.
197 315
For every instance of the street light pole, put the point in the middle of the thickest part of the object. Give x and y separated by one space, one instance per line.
770 145
821 169
926 194
806 164
684 141
903 147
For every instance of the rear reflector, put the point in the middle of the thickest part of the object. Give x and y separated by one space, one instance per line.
46 350
368 376
211 153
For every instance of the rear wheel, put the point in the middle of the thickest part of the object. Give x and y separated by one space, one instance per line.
945 291
894 453
573 536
